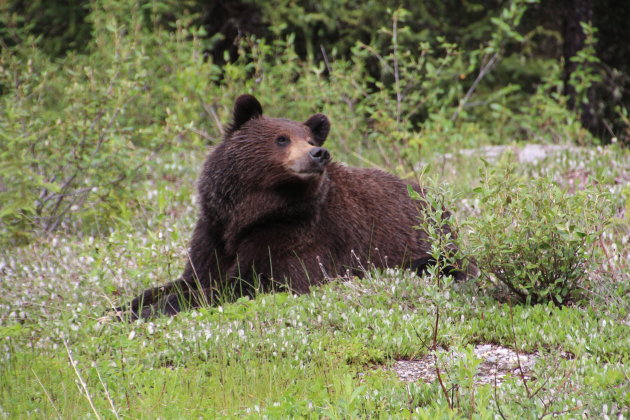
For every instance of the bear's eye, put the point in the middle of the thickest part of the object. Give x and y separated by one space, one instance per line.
282 140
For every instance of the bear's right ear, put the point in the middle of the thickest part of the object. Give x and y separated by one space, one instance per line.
246 108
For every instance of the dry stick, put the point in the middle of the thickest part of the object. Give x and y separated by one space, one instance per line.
601 243
482 73
55 224
396 75
377 55
544 384
47 394
564 381
111 403
518 359
202 133
210 111
437 368
122 368
326 62
409 401
472 400
496 395
399 95
557 413
81 381
67 184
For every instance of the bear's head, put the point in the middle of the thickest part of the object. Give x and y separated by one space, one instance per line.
270 151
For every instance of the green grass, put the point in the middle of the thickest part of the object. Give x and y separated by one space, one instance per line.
314 355
106 146
320 355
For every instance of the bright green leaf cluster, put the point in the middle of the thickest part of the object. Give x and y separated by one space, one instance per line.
535 237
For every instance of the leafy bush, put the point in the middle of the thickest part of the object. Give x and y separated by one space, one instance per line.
79 131
441 229
533 236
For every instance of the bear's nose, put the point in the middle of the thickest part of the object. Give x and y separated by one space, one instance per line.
320 155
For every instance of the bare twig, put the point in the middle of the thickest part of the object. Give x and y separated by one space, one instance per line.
558 413
482 73
201 133
547 404
518 359
371 163
441 382
326 62
81 381
435 327
396 72
496 396
375 53
111 403
212 113
449 400
47 394
123 369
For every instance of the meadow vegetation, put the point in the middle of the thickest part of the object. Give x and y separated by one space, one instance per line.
100 149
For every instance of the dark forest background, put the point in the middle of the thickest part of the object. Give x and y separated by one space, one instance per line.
551 27
95 94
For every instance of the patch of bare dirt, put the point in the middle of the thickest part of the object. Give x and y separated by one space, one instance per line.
496 363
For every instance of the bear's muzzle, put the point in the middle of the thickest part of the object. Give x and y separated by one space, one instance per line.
320 156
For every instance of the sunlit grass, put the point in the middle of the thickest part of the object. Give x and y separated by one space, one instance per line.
317 355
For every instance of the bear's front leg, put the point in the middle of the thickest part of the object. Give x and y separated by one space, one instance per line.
146 302
205 259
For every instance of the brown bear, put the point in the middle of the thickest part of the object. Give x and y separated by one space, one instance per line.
277 213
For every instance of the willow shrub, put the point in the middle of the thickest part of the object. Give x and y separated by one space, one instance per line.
535 237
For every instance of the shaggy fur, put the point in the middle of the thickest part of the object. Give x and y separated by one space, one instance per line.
277 213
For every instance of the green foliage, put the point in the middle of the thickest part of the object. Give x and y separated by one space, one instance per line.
441 233
79 132
82 130
59 25
103 133
585 76
326 354
535 237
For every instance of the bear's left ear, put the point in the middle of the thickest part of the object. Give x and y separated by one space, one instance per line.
246 108
320 126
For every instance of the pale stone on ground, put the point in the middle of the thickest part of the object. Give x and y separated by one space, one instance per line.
497 362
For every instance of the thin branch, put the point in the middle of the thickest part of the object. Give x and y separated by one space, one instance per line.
47 394
202 133
396 72
435 327
482 73
496 396
209 109
437 368
326 62
81 381
518 359
111 403
380 58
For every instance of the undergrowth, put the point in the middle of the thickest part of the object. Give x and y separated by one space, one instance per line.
100 153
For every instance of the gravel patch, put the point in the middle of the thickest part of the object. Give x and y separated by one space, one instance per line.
496 363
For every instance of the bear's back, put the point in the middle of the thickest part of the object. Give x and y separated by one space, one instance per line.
369 215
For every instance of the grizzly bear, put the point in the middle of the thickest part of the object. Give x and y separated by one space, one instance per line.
278 213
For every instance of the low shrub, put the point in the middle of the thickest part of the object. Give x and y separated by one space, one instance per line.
535 237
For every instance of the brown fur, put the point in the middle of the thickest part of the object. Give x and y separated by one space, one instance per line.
271 212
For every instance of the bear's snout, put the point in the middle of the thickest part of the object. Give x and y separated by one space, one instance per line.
320 156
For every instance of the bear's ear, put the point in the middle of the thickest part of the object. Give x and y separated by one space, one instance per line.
320 126
246 108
